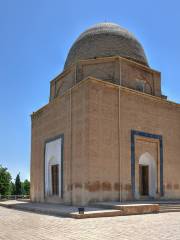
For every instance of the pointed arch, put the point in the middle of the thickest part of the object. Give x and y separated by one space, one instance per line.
146 159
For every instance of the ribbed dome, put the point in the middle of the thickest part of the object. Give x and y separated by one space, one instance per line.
106 40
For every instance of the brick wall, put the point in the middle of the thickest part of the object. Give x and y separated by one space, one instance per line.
96 118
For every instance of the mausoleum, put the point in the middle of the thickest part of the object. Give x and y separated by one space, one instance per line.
108 133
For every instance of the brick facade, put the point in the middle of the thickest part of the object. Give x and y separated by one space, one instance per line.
96 118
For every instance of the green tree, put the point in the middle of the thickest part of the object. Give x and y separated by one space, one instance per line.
26 187
5 180
12 189
18 190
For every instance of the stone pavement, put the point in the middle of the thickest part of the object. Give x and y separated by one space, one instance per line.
46 208
102 209
15 224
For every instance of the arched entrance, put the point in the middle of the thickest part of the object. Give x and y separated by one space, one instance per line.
147 175
53 168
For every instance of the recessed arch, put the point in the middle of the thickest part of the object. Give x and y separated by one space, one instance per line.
146 159
54 167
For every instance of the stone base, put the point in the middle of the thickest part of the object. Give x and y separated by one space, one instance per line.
138 208
131 208
104 209
97 214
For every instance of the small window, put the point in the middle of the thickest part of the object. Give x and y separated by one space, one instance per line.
140 85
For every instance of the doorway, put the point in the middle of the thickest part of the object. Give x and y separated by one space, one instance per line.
147 176
55 179
144 180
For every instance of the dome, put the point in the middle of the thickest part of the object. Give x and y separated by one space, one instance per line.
106 40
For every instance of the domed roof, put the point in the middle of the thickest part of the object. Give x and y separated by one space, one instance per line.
106 40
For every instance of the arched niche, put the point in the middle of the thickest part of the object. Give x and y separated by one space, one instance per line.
53 160
146 159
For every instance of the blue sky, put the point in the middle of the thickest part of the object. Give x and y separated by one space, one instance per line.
35 36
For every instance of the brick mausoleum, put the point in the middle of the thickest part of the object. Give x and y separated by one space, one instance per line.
107 133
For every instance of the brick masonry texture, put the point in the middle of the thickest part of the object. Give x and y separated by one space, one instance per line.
116 70
96 119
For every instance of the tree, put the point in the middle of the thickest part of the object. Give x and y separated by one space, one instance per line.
5 180
18 190
12 189
26 187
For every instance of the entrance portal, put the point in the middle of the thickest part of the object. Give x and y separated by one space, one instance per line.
53 168
144 180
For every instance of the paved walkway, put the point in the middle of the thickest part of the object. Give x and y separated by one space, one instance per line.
46 208
104 209
20 225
